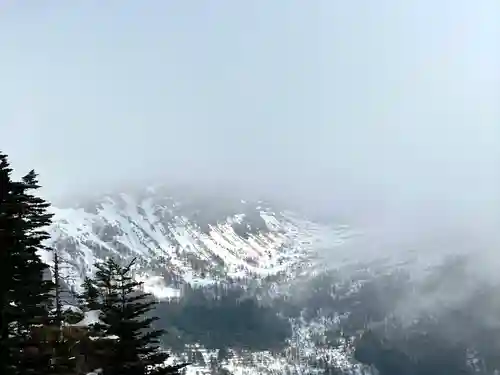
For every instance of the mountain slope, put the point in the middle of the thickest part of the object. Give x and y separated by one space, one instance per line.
230 249
194 241
308 288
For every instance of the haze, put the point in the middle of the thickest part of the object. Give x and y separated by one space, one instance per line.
368 107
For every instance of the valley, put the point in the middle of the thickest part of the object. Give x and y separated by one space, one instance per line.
243 288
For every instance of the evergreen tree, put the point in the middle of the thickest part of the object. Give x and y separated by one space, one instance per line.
58 318
8 226
24 292
62 361
89 298
132 346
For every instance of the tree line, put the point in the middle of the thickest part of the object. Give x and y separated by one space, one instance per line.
111 329
231 319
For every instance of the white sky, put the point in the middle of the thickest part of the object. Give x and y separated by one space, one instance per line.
327 102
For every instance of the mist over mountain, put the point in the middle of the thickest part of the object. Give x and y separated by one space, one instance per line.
307 187
248 286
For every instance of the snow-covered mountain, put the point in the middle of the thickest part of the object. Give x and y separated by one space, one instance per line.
327 282
191 240
184 239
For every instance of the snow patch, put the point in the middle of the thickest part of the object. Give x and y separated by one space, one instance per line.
90 317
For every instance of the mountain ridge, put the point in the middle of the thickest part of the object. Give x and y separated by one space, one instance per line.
176 241
306 287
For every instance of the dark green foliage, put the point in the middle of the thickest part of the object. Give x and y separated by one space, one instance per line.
89 298
431 342
62 361
123 314
436 340
24 293
419 353
72 317
222 318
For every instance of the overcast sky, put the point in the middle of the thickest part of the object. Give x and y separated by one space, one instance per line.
328 101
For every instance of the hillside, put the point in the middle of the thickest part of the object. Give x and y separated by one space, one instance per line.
179 242
247 288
